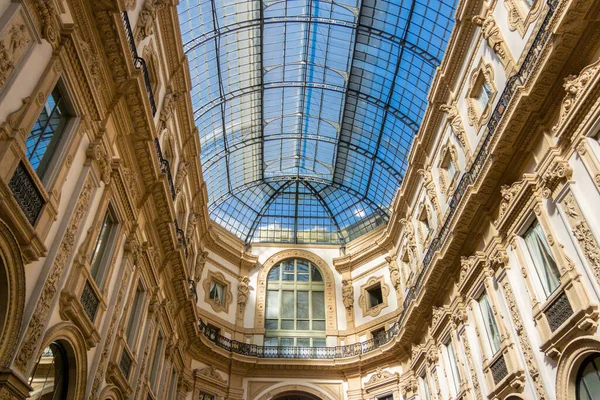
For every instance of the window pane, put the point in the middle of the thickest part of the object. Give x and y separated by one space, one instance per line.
303 325
136 309
287 304
319 342
316 274
287 341
319 325
287 324
46 132
273 304
100 249
271 341
490 323
302 304
271 324
542 258
274 274
303 342
318 305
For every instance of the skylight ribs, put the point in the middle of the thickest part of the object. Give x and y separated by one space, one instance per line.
306 109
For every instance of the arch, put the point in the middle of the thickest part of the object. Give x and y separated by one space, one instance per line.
273 393
111 392
328 279
568 365
72 340
12 294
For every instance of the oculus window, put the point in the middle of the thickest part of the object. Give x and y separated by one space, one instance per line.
295 305
306 109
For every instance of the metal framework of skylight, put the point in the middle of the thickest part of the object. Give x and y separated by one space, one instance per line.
306 109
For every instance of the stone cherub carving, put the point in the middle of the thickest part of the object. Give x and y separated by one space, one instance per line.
348 294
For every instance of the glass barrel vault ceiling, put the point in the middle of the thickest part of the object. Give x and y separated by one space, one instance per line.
306 109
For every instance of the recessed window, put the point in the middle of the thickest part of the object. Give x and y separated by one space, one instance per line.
542 258
217 293
47 132
49 379
386 397
449 167
379 336
424 387
489 322
295 305
453 373
101 254
135 316
375 296
156 362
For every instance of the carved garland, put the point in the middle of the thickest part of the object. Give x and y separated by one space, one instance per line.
261 292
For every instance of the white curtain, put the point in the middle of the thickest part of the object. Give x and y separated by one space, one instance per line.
216 292
542 258
490 323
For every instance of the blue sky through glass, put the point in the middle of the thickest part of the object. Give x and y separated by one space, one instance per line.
307 109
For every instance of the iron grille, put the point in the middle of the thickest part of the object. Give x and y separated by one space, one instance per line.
125 363
499 370
90 301
558 312
26 193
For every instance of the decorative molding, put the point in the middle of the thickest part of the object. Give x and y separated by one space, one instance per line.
328 280
381 378
210 373
458 128
219 278
364 296
492 34
557 173
482 73
518 18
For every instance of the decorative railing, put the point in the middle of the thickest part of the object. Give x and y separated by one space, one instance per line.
181 237
253 350
558 312
89 301
138 61
26 193
499 369
466 180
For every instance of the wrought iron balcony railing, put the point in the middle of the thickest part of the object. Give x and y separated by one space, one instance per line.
467 179
165 168
26 193
138 61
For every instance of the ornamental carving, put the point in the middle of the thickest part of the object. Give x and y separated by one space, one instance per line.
212 374
380 376
220 304
456 123
483 74
348 295
199 265
471 366
38 320
558 172
243 293
575 86
519 16
147 18
182 173
394 272
493 36
437 313
524 342
449 155
328 280
167 108
466 265
429 185
363 300
15 42
508 193
583 233
191 225
90 59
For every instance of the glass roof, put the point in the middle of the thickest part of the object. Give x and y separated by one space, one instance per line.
307 109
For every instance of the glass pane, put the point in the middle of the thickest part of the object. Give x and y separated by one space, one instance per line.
274 274
303 325
303 342
318 342
319 325
271 324
589 380
490 323
271 341
302 266
272 304
101 246
287 324
543 261
318 305
302 304
287 304
287 341
316 274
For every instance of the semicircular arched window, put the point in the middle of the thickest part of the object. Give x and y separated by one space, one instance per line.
295 314
49 379
588 379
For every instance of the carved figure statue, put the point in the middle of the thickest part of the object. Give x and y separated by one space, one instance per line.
146 20
456 123
181 175
168 107
200 262
394 272
243 292
348 294
191 225
492 34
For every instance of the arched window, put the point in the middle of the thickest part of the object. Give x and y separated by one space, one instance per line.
50 377
295 314
588 379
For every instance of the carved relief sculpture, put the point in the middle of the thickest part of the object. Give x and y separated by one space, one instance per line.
429 185
14 43
394 272
456 123
491 33
191 225
348 295
199 267
181 175
243 292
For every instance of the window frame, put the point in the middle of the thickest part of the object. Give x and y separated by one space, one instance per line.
105 261
219 278
454 379
482 321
